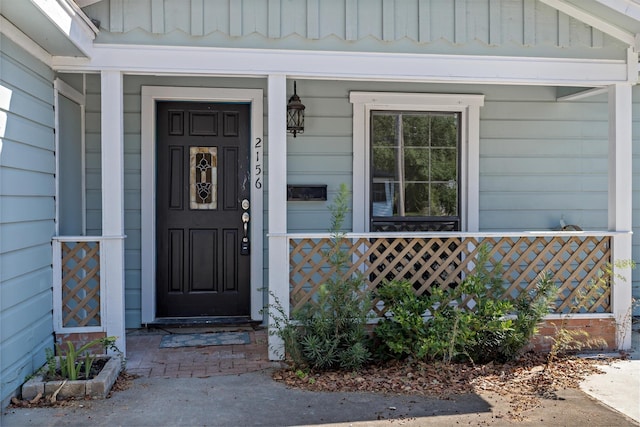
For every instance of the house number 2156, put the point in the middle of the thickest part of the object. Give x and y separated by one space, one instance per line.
258 149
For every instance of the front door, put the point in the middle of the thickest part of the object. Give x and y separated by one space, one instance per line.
203 264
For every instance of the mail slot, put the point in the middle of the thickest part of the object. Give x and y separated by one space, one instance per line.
306 192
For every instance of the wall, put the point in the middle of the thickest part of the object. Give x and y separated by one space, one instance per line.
418 26
27 190
540 160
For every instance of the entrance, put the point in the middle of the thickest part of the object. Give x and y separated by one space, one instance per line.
203 188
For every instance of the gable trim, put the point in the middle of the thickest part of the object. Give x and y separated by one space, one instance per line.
594 21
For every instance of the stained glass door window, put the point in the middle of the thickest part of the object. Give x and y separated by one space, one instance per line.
203 174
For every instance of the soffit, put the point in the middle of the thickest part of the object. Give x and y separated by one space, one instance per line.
59 35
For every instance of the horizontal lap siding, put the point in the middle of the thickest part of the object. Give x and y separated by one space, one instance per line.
542 160
27 190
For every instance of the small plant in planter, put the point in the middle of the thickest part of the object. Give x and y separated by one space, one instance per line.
77 364
75 372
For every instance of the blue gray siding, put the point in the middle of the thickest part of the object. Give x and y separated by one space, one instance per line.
27 190
502 27
540 160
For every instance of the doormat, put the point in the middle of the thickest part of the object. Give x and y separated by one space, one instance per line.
202 340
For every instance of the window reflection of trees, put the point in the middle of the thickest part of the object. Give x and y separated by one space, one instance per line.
415 161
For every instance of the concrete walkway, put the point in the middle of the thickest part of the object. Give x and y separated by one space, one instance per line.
619 387
240 392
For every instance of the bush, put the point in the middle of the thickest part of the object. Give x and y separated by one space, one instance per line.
330 332
494 329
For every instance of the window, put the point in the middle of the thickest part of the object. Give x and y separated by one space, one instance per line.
415 161
414 171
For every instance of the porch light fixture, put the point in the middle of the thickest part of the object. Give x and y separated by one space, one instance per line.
295 114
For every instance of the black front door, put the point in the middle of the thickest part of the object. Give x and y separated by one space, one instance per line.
202 180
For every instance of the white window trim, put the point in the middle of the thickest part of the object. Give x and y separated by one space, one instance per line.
467 105
151 94
61 88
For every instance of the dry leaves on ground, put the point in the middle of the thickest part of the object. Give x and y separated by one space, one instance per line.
523 382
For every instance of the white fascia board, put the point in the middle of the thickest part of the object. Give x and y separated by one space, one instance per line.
21 39
139 59
85 3
592 20
71 21
626 7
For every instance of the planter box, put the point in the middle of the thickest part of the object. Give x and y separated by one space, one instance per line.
96 388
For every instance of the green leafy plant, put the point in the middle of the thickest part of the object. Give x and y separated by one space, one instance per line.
330 332
74 362
51 362
402 333
493 329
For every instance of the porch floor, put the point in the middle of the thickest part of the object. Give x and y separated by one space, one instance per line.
147 359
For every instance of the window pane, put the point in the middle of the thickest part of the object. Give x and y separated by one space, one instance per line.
444 131
444 199
384 194
384 130
414 165
416 199
384 162
416 130
444 164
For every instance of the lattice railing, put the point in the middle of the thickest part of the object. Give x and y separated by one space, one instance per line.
443 260
78 287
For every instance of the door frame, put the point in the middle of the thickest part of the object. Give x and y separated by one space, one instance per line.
152 94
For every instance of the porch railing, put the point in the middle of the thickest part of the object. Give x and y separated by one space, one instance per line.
79 296
427 260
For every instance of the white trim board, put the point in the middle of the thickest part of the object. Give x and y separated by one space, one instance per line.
473 69
467 105
151 94
21 39
71 21
61 88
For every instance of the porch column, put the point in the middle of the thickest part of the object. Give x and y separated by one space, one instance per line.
112 165
278 250
620 207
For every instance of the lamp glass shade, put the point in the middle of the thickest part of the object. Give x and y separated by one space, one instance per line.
295 114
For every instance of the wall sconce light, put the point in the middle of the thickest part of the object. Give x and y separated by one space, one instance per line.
295 114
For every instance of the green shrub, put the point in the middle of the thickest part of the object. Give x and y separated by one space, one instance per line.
493 329
403 332
330 332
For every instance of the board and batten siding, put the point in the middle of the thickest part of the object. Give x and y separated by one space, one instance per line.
418 26
27 214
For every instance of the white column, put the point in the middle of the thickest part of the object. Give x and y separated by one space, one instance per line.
112 164
620 207
278 248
